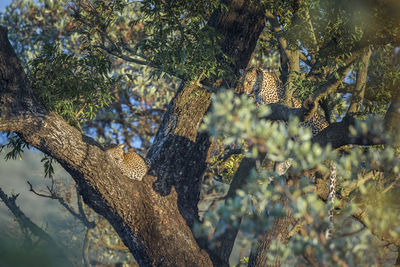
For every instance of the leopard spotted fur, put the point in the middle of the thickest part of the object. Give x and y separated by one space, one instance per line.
131 163
266 88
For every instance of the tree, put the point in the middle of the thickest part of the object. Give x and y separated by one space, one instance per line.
324 50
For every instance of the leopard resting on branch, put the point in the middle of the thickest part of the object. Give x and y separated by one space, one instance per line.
266 88
131 163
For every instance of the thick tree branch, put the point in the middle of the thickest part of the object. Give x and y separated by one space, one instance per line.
338 134
281 112
278 232
392 119
283 47
311 28
361 81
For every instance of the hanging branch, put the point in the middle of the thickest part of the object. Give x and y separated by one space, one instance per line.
26 223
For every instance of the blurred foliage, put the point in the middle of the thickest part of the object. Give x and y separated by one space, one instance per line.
265 189
14 254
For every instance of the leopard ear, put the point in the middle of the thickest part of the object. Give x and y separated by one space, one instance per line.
121 146
241 72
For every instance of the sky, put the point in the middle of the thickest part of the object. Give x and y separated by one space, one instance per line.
3 4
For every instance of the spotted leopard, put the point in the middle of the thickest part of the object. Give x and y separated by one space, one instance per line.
131 163
266 88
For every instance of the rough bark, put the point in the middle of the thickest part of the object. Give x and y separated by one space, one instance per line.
338 134
224 243
179 152
392 119
358 93
279 232
290 58
150 225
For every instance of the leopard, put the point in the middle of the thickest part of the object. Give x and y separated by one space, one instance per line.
266 88
132 165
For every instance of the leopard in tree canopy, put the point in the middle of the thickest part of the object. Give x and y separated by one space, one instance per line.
131 163
266 88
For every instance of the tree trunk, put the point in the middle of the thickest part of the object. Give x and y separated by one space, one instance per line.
278 232
179 153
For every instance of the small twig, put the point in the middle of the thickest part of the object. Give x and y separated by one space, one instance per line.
296 228
80 111
84 219
26 223
351 233
127 58
53 195
86 248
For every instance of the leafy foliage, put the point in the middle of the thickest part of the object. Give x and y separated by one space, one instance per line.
48 166
173 36
265 189
73 87
384 80
179 39
16 146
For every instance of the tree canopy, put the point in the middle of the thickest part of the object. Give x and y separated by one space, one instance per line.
161 77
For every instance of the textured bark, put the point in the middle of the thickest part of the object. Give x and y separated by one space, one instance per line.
290 64
224 243
392 119
278 232
357 97
150 225
179 152
239 28
338 134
